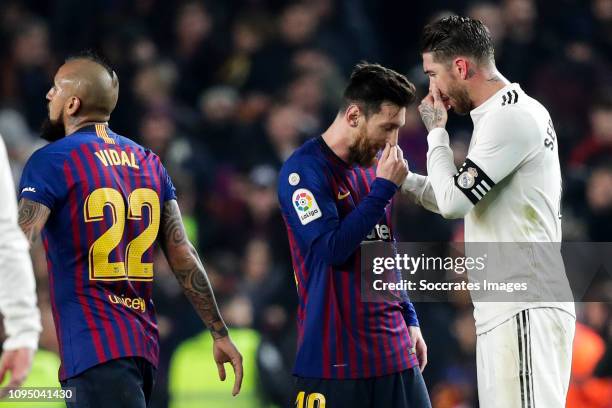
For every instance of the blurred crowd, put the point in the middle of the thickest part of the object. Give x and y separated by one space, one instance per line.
224 91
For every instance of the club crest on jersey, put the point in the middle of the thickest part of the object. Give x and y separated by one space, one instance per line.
306 206
467 178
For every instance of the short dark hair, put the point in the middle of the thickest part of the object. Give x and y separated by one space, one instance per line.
452 36
372 84
91 55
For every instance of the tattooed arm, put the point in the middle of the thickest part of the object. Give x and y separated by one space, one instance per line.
188 268
190 273
32 218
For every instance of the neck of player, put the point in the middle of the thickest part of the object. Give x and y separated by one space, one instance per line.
77 124
489 83
338 138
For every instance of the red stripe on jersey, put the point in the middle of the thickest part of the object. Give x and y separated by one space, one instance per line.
154 182
397 318
325 344
343 310
80 268
361 322
137 284
56 317
340 363
128 286
364 347
346 306
372 312
297 260
97 183
108 330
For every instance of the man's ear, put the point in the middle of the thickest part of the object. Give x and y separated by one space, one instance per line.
462 67
352 115
73 104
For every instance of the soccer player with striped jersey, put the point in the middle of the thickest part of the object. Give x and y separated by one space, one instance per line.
102 203
335 195
509 191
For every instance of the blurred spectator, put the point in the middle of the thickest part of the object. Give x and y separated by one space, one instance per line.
491 14
26 75
599 199
218 124
596 147
198 49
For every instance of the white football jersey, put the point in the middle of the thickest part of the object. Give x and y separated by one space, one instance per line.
508 190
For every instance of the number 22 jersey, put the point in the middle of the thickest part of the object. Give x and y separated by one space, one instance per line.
105 193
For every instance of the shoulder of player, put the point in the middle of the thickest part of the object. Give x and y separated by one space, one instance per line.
518 120
51 152
304 158
126 141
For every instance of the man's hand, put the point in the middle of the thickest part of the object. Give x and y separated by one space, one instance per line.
392 165
18 363
432 109
419 345
225 351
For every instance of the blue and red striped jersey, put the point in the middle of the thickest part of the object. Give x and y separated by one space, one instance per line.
330 208
105 193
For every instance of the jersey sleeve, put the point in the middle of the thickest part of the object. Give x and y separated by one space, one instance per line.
506 139
42 179
169 189
307 201
308 205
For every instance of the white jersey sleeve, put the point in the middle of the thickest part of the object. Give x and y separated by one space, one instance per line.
505 140
17 284
419 189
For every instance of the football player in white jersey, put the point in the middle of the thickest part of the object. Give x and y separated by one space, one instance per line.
509 191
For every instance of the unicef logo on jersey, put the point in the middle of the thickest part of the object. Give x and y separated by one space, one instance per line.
306 206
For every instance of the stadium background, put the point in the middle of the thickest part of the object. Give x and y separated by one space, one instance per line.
224 91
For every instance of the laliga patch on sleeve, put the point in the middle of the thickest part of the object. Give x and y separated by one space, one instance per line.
306 206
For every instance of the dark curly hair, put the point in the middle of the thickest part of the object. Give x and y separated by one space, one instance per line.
372 84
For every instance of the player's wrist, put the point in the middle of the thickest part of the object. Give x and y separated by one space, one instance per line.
27 339
383 188
219 333
438 137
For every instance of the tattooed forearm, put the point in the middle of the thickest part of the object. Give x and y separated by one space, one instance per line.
432 116
189 271
32 218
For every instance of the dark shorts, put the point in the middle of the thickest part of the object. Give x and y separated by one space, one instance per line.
122 383
405 389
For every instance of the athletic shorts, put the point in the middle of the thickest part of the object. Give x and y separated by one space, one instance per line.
124 382
526 361
405 389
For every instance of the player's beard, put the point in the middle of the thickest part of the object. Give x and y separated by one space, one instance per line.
52 130
462 103
363 152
